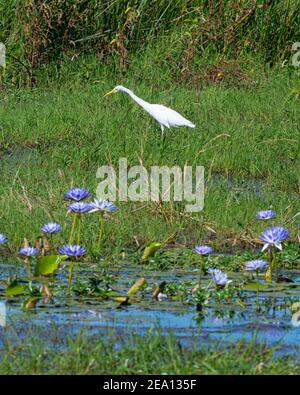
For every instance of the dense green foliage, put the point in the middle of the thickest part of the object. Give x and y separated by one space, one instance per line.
149 354
206 59
37 32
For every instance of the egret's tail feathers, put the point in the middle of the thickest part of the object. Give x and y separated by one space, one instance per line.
191 125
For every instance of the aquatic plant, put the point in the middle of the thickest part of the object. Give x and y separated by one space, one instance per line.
100 285
72 251
218 277
202 251
265 214
47 265
77 208
28 252
228 294
272 237
199 297
51 227
3 239
77 194
151 250
256 265
178 289
101 206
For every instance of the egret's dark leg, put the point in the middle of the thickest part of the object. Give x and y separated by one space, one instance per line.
163 141
164 138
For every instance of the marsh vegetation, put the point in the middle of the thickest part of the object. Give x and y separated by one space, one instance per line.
70 263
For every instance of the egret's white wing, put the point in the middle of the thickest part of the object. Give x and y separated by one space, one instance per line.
168 117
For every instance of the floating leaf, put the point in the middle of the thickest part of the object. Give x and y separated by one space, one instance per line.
30 303
48 264
123 300
254 286
150 250
295 306
14 289
137 286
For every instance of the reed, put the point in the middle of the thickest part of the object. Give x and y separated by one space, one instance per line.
39 32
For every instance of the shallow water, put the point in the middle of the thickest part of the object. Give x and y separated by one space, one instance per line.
224 324
12 158
253 186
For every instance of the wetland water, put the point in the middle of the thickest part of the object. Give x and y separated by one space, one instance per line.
221 323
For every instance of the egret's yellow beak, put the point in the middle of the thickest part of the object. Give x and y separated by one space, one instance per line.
110 93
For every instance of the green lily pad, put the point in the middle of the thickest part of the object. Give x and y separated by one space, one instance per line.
295 306
123 300
47 265
254 286
150 250
137 286
274 288
14 289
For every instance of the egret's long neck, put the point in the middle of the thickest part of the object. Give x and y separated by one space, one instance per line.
137 99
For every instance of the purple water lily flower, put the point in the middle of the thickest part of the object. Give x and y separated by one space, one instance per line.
257 264
3 239
203 250
77 194
274 236
80 207
102 205
72 250
29 251
265 214
219 277
51 227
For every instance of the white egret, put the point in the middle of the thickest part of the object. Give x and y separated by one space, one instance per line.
165 116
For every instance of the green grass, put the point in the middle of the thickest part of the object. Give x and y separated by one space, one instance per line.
58 136
148 354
